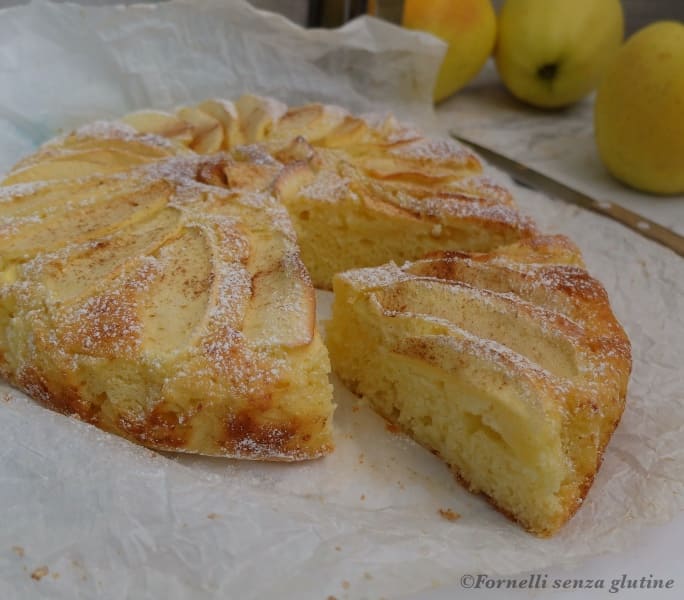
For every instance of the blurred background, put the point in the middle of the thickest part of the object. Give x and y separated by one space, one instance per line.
637 12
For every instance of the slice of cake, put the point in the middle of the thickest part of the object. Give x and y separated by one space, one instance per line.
509 365
140 297
346 219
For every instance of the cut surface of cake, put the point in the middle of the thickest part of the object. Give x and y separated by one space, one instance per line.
509 365
140 297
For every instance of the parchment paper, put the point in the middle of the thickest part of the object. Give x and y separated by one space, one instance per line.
111 520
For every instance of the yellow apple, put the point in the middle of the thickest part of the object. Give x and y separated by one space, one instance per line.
551 53
469 29
639 112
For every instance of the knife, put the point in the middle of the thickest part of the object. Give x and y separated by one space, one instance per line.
531 178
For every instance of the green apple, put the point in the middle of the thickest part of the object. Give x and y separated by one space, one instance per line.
639 112
551 53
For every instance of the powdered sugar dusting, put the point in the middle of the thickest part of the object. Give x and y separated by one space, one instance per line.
256 154
11 192
470 209
459 206
438 150
326 187
483 186
402 134
375 277
11 225
121 131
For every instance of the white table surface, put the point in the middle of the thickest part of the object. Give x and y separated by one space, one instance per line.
561 145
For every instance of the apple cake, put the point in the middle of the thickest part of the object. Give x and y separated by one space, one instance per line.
157 279
509 365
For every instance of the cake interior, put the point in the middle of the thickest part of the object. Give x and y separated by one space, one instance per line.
407 349
353 231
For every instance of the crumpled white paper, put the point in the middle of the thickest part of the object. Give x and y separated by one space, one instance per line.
111 520
64 65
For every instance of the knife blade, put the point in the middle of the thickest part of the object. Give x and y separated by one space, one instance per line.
532 178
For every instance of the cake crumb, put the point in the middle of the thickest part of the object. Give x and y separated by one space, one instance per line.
392 428
345 584
448 514
39 573
361 458
212 516
19 551
338 548
331 598
363 497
